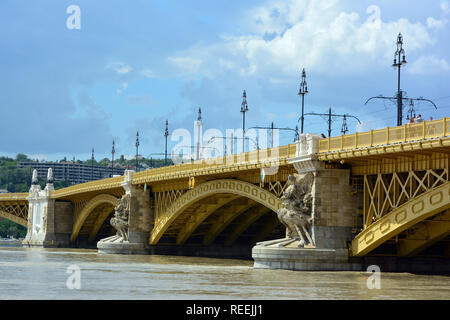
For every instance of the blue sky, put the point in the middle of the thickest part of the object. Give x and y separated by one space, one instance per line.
134 64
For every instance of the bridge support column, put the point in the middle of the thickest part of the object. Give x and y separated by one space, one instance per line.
140 219
49 222
331 219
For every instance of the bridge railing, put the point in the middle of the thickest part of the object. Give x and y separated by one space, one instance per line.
13 196
251 157
108 183
405 133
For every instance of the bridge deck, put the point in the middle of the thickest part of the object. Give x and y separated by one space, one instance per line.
412 137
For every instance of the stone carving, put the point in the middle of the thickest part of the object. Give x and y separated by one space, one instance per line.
35 187
50 176
296 213
34 178
120 219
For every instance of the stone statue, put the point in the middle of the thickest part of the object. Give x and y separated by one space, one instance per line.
34 178
120 219
50 176
296 213
35 186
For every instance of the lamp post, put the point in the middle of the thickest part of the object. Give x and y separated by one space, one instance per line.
296 137
92 165
303 90
166 134
112 159
400 55
244 109
137 151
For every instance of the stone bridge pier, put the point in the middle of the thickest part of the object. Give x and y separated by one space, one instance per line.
330 219
49 221
136 214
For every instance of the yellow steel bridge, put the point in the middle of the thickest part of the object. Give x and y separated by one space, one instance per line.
401 174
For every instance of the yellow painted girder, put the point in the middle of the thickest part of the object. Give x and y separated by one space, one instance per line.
7 197
380 151
426 234
402 218
98 185
250 218
199 217
99 222
223 222
13 218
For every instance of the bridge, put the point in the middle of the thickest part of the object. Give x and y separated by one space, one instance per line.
383 191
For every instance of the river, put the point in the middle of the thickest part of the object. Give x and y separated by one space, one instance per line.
45 274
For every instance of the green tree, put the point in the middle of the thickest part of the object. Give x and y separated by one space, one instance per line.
20 157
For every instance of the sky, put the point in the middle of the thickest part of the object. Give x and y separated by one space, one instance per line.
73 80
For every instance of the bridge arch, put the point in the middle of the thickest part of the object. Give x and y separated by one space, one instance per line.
13 218
407 215
88 209
225 186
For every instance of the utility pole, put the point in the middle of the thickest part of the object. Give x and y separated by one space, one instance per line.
271 135
329 122
112 159
296 137
137 151
303 90
344 128
329 116
400 53
411 112
244 109
92 165
166 134
232 143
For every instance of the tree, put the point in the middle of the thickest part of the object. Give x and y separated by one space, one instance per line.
20 157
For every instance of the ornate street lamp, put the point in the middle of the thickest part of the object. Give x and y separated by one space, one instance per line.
244 109
303 90
137 151
166 134
113 151
399 60
92 165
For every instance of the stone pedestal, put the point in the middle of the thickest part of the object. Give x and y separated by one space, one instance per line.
139 223
49 221
116 245
332 209
301 259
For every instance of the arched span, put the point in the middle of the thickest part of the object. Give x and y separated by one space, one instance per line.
88 208
412 212
13 218
236 187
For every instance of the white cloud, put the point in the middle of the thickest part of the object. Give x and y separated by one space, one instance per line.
427 65
445 7
120 67
187 65
148 73
286 35
435 24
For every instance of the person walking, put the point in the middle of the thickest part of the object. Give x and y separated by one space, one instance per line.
419 119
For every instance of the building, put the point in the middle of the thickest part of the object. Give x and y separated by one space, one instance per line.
72 172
